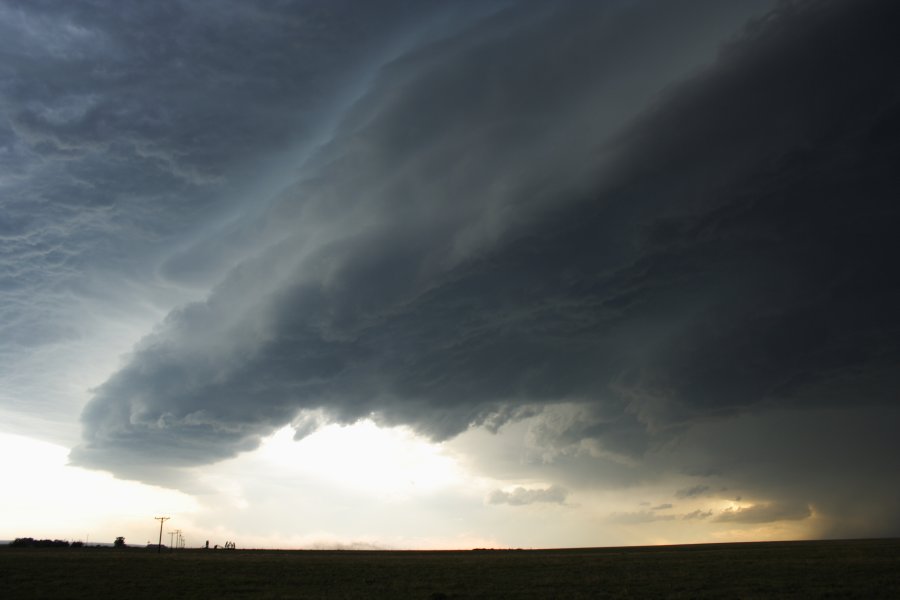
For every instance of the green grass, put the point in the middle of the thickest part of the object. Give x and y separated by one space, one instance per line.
831 569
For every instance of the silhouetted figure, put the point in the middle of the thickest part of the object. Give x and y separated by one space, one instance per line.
207 544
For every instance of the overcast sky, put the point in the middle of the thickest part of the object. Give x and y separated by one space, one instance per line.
450 274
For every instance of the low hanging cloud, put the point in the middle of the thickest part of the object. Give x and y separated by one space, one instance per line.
638 517
769 512
652 516
765 513
396 278
492 228
521 496
697 515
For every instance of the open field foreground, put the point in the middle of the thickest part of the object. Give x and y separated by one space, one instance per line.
834 569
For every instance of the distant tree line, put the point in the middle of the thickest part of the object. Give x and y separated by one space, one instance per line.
27 542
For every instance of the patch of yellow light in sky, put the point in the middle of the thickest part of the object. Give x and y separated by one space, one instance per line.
724 504
44 497
389 461
776 531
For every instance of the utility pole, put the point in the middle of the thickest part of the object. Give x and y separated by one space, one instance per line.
171 533
161 521
177 533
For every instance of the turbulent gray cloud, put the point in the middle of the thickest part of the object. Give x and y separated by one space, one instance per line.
521 496
129 131
408 272
648 229
482 233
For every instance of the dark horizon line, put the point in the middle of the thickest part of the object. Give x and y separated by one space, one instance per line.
519 549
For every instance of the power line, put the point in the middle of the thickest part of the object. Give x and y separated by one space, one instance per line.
161 521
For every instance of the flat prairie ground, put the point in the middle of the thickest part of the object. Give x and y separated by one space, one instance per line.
826 569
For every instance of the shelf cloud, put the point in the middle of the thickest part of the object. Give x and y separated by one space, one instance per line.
672 223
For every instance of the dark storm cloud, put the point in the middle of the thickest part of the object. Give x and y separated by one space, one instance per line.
412 271
128 127
762 280
521 496
837 461
189 87
497 226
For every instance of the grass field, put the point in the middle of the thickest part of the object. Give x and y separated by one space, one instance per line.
831 569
